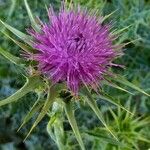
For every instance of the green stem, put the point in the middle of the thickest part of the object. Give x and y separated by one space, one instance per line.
70 115
56 123
59 133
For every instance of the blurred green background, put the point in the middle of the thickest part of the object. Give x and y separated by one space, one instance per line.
133 132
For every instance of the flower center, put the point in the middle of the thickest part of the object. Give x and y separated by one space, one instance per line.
76 45
79 37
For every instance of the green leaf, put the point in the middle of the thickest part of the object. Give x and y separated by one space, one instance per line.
107 139
48 103
110 99
32 20
35 108
30 85
117 87
70 115
115 117
92 103
21 45
141 138
141 123
10 57
18 33
122 80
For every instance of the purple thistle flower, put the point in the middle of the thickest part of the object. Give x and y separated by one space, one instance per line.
74 47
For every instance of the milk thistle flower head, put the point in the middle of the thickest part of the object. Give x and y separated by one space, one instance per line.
74 47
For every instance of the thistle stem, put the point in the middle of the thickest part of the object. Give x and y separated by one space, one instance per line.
59 134
56 123
70 115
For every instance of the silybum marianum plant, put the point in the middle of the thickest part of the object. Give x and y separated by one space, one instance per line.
65 60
